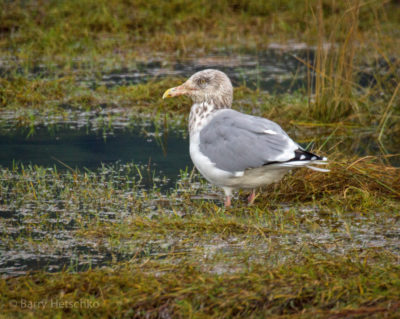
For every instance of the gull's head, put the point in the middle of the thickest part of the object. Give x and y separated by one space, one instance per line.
210 86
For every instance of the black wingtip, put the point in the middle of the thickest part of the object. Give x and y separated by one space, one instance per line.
302 155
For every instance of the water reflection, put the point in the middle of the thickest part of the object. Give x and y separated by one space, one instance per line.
273 71
69 146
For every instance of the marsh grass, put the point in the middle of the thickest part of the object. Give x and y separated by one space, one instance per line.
334 89
307 248
334 67
57 96
183 291
69 92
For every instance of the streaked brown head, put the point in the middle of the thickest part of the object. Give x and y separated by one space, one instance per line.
210 86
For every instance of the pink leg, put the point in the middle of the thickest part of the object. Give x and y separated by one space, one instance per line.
252 197
227 201
228 195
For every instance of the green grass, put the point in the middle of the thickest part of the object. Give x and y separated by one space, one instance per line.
338 288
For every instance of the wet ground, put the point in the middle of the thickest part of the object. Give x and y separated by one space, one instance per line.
41 234
279 69
273 70
77 220
143 163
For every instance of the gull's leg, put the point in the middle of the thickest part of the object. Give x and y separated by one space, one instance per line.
228 195
252 197
227 201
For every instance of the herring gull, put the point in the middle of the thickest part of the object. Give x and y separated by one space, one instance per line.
234 150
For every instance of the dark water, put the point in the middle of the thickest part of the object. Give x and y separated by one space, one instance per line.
80 145
166 151
66 146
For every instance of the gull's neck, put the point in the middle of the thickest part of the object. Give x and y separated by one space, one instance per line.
200 115
203 110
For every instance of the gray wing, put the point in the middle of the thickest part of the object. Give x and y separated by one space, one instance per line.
235 141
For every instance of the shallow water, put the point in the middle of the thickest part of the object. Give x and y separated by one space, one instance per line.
273 70
278 69
67 146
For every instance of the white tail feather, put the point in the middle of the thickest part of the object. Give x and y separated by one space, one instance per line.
318 169
320 162
294 164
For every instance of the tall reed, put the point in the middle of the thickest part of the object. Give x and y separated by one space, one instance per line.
335 91
334 79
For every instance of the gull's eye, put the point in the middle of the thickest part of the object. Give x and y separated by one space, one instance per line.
202 81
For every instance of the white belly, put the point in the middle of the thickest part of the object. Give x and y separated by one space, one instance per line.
257 177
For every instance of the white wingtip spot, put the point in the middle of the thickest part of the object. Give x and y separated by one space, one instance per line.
313 158
270 132
302 157
324 158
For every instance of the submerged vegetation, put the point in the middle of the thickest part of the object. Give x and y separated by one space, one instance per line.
113 242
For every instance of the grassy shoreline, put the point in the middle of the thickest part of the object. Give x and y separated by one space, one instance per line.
33 101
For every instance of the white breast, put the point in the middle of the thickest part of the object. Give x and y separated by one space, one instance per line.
204 165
